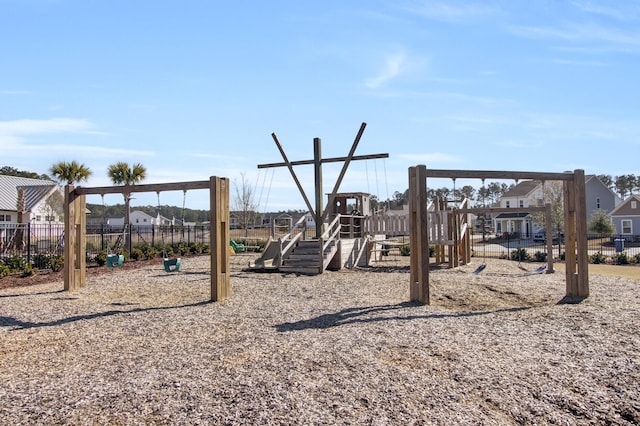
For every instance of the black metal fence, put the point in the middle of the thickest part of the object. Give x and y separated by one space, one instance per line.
601 248
36 242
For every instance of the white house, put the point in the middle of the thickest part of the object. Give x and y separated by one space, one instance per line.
137 217
42 199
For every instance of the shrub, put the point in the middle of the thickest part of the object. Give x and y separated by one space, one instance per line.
15 263
101 258
636 258
56 263
432 251
520 255
405 250
540 256
597 258
149 252
41 261
27 270
4 270
620 259
137 254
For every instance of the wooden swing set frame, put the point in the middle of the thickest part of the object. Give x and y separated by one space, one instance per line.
75 229
575 220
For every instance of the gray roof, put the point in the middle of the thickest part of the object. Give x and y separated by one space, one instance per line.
35 191
522 189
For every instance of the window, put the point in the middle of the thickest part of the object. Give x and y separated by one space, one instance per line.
1 218
50 218
521 203
626 226
137 220
597 202
508 204
5 218
634 204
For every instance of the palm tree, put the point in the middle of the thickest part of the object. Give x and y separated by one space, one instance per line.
121 173
70 173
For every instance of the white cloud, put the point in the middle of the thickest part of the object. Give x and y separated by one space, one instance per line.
53 125
603 37
392 68
452 12
622 11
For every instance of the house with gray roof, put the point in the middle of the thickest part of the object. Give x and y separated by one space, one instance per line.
626 218
530 193
40 201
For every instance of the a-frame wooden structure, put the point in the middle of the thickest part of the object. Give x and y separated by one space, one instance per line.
75 229
319 213
575 222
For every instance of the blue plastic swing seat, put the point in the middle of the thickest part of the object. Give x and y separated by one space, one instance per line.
115 260
172 265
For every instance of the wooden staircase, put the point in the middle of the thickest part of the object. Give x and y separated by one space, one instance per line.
313 256
310 257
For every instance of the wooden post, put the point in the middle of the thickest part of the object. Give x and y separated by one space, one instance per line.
75 241
549 230
570 237
419 277
317 165
219 238
70 239
582 289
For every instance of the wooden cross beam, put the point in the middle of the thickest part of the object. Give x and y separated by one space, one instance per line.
318 213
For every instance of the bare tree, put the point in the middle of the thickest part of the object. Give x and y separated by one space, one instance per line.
244 205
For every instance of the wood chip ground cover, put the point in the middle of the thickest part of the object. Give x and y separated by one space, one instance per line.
145 347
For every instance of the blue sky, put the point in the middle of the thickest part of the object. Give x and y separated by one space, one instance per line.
193 89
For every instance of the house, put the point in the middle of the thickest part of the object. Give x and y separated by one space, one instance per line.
599 196
140 218
530 193
525 194
626 218
43 201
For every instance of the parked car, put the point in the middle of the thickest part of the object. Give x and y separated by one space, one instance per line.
541 237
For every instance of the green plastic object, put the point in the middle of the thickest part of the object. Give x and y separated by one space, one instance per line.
238 248
115 260
172 265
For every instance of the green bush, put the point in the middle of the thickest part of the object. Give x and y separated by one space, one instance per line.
597 258
101 258
636 258
540 256
4 270
432 251
137 254
620 259
15 263
520 255
150 252
405 250
27 270
41 261
56 263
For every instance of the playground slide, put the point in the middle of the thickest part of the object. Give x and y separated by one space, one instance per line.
270 257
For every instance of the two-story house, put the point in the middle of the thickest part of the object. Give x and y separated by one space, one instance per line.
530 193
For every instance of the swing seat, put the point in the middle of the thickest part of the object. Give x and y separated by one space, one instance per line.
172 265
115 260
238 248
479 269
